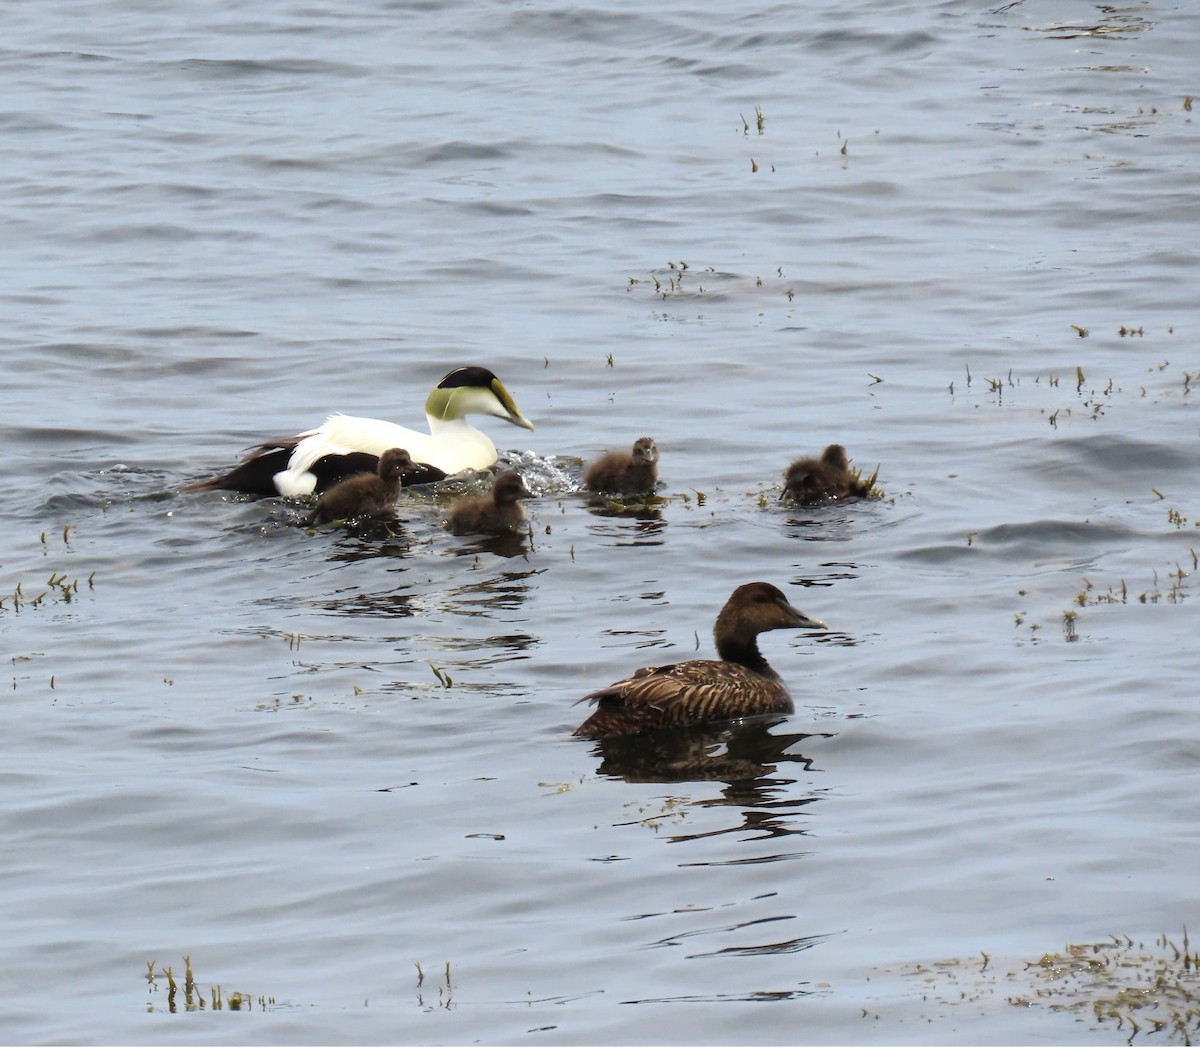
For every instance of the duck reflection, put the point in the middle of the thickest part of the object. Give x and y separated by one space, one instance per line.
628 524
506 544
503 591
371 540
743 754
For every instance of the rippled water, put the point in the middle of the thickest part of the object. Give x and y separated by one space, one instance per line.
335 769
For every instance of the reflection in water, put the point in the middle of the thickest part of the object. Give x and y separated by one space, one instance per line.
745 755
803 942
359 546
507 544
504 591
630 523
386 605
705 998
832 573
740 753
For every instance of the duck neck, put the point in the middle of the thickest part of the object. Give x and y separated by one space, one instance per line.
744 652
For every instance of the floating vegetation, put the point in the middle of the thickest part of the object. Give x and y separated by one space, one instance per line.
1069 617
1177 588
445 989
672 809
60 590
1142 990
194 999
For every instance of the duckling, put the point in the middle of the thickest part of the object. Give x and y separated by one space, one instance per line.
344 444
498 512
741 684
809 481
625 473
365 494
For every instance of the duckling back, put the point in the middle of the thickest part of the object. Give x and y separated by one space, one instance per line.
809 481
365 494
625 472
495 513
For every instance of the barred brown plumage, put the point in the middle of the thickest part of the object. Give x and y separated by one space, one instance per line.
741 684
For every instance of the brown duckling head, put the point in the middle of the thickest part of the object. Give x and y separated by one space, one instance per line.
509 487
394 463
835 457
645 451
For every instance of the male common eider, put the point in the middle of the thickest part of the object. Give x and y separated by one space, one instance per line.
344 444
809 481
365 494
625 472
498 512
701 690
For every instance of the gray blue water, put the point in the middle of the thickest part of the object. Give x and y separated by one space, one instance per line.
335 770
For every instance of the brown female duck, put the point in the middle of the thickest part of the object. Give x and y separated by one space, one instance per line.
365 494
809 481
625 472
498 512
741 684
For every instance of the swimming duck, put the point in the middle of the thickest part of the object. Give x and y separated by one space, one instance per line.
701 690
344 444
498 512
809 481
365 494
625 472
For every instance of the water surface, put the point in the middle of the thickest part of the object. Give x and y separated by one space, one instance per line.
335 769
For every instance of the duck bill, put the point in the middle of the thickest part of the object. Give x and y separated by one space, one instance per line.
807 622
510 406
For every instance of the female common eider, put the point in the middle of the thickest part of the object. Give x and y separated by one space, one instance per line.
345 445
365 494
498 512
809 481
701 690
625 472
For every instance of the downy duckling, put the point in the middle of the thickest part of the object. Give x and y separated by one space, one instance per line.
344 444
809 481
498 512
365 494
625 472
741 684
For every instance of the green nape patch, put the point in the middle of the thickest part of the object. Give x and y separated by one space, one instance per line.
193 998
1136 988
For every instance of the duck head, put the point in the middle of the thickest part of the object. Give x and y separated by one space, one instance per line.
394 463
645 450
473 391
509 487
758 607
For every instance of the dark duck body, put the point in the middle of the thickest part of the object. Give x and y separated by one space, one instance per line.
366 494
495 513
741 684
809 481
625 472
